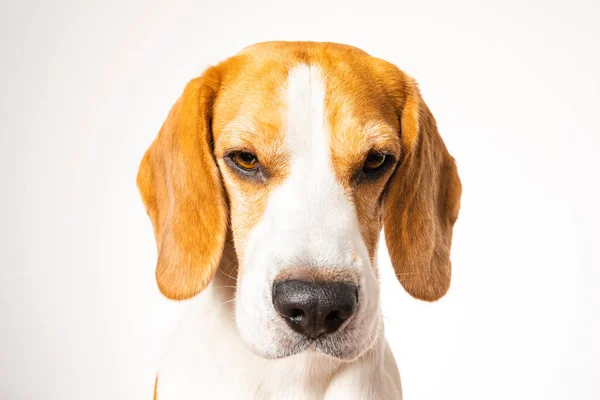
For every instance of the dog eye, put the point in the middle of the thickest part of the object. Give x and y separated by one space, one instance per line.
245 160
374 162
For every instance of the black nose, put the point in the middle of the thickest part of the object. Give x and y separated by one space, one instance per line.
314 308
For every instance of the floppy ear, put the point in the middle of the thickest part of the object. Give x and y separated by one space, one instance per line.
422 202
181 188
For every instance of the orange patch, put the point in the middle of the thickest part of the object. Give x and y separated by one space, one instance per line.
181 188
155 387
248 116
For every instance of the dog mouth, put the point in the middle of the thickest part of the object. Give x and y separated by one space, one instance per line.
346 344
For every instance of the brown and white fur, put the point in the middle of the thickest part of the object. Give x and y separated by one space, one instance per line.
311 114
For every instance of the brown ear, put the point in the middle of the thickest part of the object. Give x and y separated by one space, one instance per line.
422 202
181 188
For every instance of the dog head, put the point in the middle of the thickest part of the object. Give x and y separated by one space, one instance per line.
302 153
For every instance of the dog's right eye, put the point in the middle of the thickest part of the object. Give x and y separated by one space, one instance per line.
376 164
245 160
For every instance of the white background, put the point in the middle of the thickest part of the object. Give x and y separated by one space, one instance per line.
514 86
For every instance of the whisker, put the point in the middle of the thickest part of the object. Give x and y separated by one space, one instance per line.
225 302
229 276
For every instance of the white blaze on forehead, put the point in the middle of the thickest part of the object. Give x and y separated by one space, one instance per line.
308 214
320 210
307 132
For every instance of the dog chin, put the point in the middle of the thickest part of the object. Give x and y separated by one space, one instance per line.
317 350
334 347
346 345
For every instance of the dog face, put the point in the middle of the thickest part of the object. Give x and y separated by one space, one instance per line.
306 150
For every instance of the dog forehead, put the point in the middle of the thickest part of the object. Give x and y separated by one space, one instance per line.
254 95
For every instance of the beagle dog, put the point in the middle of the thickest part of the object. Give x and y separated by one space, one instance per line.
267 187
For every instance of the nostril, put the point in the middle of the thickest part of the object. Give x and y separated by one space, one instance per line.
333 316
334 319
295 313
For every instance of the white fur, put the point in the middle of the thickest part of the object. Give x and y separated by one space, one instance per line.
308 221
208 359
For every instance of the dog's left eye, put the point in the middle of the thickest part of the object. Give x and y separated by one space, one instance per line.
375 161
245 160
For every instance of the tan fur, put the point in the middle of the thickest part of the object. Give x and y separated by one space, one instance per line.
422 204
370 105
320 274
181 188
155 387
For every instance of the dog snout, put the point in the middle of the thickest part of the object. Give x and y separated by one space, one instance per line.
314 308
